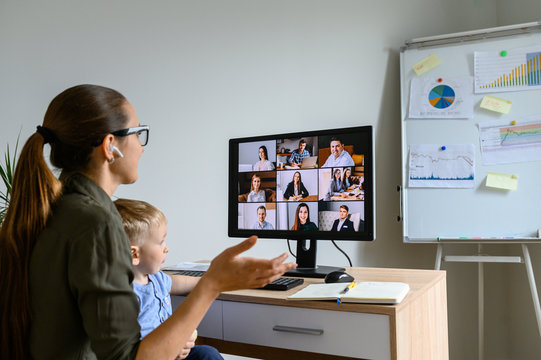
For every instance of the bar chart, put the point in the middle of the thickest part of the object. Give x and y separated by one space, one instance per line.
517 70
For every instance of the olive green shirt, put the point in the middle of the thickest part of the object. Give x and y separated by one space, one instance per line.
83 304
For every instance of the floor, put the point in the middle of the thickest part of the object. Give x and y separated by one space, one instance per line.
235 357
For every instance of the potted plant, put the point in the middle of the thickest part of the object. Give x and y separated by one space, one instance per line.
7 168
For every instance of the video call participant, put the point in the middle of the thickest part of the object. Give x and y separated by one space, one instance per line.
336 187
343 223
295 189
298 154
261 224
338 157
263 164
348 180
256 194
302 219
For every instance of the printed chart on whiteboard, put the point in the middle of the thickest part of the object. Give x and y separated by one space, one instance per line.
503 144
437 98
513 70
437 166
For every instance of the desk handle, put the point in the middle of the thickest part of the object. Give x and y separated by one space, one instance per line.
297 330
400 217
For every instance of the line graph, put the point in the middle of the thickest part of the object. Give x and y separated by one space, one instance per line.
430 166
504 144
520 134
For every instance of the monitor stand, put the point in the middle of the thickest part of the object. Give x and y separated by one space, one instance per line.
306 262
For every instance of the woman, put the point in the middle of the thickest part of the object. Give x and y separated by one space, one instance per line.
336 187
263 164
295 190
302 219
68 271
348 181
256 194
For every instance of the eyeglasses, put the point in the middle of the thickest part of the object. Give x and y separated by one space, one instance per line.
141 131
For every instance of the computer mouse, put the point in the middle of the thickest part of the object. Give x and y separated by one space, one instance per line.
338 277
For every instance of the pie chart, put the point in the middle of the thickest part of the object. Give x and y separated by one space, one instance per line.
441 97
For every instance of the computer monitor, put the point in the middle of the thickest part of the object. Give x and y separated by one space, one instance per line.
304 186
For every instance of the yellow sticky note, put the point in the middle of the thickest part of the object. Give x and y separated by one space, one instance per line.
426 64
496 104
502 181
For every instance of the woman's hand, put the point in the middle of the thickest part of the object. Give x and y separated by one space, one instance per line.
229 271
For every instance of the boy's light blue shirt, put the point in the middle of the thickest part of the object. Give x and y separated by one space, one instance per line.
154 301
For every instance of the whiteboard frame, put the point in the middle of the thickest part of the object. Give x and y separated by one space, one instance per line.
439 41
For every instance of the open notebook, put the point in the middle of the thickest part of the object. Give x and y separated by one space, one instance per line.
364 292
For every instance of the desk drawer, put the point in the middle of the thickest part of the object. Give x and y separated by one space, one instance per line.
211 325
321 331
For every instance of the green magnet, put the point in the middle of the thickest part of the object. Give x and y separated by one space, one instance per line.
503 53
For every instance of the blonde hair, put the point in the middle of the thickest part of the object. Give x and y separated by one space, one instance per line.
137 218
252 182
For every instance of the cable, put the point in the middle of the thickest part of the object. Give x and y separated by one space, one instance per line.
343 252
289 247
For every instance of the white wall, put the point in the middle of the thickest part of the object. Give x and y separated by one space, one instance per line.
518 11
202 71
522 330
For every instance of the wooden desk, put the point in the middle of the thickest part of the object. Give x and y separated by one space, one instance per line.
347 198
304 199
264 325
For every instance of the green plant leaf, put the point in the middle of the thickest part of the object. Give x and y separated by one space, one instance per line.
7 169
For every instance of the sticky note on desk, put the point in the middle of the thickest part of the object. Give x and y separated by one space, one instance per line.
496 104
502 181
426 64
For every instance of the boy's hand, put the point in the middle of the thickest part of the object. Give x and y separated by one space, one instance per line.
188 347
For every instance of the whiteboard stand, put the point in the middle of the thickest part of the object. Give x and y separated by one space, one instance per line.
420 208
481 259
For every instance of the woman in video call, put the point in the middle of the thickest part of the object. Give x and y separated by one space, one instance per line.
263 164
336 187
256 193
302 219
295 189
65 264
348 181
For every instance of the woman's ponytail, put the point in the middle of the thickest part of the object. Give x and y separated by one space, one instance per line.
34 191
75 122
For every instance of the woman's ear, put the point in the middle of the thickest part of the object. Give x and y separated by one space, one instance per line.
106 148
135 255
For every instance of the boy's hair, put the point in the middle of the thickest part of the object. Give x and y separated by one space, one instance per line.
137 217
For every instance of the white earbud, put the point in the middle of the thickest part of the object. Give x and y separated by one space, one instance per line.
115 149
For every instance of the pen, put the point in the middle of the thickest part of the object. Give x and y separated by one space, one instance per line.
349 287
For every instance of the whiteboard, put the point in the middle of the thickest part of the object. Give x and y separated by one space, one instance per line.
435 214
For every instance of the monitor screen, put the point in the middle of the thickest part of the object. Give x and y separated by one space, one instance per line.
307 185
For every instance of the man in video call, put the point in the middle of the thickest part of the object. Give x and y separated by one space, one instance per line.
338 157
343 223
261 224
298 154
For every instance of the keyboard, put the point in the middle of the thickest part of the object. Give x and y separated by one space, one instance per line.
195 273
283 283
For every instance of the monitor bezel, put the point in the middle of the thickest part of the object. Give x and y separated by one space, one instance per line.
368 186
